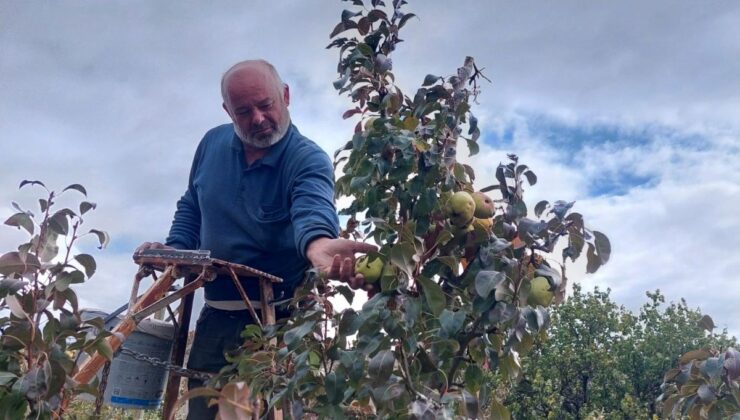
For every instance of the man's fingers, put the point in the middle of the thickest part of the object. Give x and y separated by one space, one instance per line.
358 281
151 245
336 265
347 270
363 247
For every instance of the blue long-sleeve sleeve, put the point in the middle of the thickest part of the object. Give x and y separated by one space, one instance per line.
185 229
312 211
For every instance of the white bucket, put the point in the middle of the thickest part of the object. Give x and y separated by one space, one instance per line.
133 383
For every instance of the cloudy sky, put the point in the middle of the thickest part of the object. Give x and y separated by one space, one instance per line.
630 108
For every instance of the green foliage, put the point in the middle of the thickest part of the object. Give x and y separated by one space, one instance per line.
706 383
453 305
601 359
42 332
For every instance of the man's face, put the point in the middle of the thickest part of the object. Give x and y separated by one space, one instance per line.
257 106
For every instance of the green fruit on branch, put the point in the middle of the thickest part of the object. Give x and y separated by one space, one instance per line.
539 293
369 123
460 209
483 205
371 270
485 225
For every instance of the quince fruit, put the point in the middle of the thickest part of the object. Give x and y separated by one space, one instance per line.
371 270
539 293
460 209
483 205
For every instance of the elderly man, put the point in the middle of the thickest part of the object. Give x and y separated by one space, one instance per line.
259 194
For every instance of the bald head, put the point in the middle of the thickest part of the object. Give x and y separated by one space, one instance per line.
257 102
253 67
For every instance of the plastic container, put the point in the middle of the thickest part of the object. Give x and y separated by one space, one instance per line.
133 383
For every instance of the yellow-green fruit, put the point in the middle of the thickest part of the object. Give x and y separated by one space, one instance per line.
540 293
369 123
371 270
483 224
461 208
483 205
458 231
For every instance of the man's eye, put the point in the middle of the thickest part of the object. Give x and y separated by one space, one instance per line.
266 106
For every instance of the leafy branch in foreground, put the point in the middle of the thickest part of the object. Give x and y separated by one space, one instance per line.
466 278
42 332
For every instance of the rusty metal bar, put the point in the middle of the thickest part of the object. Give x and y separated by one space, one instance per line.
161 303
172 389
245 298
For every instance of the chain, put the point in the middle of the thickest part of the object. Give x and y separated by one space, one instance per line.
178 370
101 389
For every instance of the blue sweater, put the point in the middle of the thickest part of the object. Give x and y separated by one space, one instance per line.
263 215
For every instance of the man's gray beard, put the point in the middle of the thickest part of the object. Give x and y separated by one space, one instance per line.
265 142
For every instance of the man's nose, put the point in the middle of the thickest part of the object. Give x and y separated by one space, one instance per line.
258 118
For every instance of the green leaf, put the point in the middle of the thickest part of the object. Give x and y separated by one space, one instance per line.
21 220
531 177
603 247
10 285
77 187
87 262
104 349
294 335
430 79
694 354
334 386
58 223
405 19
346 292
376 14
348 324
486 281
12 262
473 147
711 367
56 377
86 206
6 378
380 367
706 393
498 411
433 294
451 322
473 377
64 279
27 182
706 323
402 256
348 14
49 247
593 262
103 237
540 207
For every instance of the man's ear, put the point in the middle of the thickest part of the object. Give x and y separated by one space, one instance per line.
286 95
223 104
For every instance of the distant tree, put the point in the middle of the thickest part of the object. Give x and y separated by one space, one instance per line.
601 360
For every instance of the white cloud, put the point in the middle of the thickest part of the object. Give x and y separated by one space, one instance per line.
116 97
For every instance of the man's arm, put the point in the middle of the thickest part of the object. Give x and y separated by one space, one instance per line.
185 229
316 223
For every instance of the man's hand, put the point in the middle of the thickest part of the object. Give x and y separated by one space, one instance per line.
336 258
151 245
